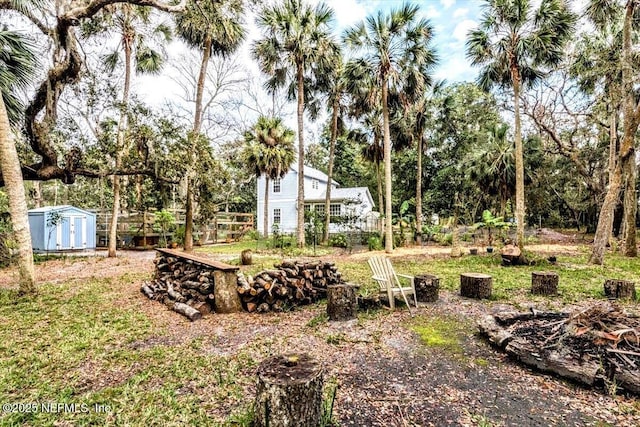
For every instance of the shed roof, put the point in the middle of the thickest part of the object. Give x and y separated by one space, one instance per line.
58 209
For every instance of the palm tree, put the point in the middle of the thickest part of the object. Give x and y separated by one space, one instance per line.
214 28
133 24
394 49
295 48
511 43
269 151
17 68
491 165
334 86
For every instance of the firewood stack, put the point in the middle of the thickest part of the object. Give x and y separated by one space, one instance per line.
180 281
293 283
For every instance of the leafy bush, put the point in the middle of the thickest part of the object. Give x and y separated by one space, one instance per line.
445 239
374 243
339 241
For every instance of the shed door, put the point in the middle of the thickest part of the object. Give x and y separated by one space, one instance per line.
72 232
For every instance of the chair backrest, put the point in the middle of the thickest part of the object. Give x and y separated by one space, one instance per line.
382 268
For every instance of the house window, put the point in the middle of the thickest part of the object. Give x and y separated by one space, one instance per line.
277 216
314 184
276 185
335 209
307 208
319 209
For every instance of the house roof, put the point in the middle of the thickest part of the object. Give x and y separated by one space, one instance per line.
351 193
314 173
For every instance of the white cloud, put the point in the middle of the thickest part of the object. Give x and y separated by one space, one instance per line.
460 12
455 69
461 30
447 3
432 13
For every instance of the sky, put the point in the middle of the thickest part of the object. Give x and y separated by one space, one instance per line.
451 19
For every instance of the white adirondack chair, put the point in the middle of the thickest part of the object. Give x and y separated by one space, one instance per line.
385 275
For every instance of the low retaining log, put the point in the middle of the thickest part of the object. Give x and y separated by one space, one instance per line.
476 285
544 283
620 289
289 392
427 287
341 302
187 311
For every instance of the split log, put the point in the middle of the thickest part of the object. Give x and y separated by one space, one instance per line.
620 289
544 283
289 392
427 287
341 302
190 312
176 296
147 291
475 285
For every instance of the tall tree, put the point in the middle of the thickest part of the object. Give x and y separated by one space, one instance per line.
214 28
334 86
296 47
134 27
513 41
394 48
605 15
17 66
269 151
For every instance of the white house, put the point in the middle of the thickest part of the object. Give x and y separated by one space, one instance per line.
283 194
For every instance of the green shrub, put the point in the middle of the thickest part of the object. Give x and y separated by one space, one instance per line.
339 240
445 239
374 243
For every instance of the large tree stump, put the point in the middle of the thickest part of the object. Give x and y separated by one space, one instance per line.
341 302
427 287
620 289
225 291
544 283
475 285
289 392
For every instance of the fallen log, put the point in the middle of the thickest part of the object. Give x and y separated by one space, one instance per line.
187 311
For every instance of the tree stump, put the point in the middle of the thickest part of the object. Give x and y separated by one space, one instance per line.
475 285
246 257
511 255
544 283
341 302
427 287
225 291
369 302
620 289
289 392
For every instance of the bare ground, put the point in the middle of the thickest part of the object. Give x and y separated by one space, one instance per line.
386 376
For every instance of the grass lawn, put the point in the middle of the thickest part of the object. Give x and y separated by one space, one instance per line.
89 342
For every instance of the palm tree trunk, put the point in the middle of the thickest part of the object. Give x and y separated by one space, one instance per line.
14 186
332 151
265 220
120 148
519 161
388 244
627 148
197 125
419 192
300 112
